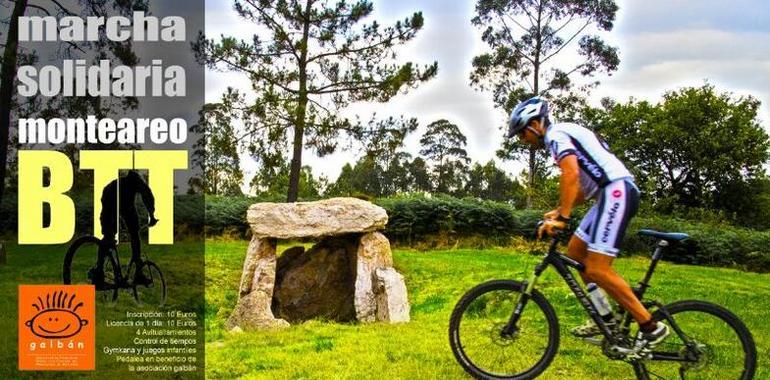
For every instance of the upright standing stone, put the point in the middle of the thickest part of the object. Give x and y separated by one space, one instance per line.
390 292
256 288
373 252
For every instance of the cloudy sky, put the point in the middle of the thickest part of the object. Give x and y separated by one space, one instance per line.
664 45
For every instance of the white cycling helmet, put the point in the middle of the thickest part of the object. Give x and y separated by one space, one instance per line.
524 112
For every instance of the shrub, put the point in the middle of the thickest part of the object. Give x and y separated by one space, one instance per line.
187 213
429 221
417 217
417 220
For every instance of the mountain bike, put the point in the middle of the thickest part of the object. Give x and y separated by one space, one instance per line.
506 329
81 266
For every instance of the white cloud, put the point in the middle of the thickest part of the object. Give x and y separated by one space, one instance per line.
653 63
664 45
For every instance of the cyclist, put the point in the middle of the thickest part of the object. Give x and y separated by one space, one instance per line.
119 196
589 171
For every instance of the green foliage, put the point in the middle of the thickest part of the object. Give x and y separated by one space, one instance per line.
710 244
443 144
418 175
523 39
308 59
272 185
490 182
188 216
366 177
417 219
216 151
384 169
697 148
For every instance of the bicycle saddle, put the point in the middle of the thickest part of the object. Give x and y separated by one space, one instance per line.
671 237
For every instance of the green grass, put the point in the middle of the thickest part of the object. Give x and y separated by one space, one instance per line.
182 264
420 349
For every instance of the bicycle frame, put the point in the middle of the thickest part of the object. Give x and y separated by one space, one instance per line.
112 249
562 264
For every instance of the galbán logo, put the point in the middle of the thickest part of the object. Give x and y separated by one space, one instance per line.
56 329
57 317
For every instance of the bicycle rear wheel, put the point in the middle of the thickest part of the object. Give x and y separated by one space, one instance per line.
475 333
153 293
715 345
80 268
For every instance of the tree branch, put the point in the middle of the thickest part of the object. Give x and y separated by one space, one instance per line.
70 43
252 72
567 74
571 18
531 87
276 25
515 22
62 8
321 106
39 8
344 89
526 11
322 89
567 43
365 48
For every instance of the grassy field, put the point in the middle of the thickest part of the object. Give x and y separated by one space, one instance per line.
182 264
420 349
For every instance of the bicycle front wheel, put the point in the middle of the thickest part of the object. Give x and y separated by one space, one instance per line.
477 341
153 292
80 268
714 344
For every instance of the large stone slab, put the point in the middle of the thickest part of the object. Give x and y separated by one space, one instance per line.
329 217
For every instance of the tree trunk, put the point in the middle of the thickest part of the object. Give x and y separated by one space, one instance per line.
299 124
296 160
7 78
531 177
536 90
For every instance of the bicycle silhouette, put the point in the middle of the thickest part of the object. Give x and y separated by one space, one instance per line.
142 276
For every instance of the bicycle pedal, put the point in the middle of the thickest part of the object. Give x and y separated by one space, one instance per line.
642 354
596 341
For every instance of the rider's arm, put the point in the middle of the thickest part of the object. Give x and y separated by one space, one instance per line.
568 185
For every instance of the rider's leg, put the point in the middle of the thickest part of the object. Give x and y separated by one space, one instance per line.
131 219
109 221
599 270
578 250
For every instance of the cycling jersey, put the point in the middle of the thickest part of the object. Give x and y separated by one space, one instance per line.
598 166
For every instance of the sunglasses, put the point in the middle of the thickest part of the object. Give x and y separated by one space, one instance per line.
527 128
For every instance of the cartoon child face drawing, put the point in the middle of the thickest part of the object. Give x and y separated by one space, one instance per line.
56 317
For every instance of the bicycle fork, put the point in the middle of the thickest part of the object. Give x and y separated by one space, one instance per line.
510 328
